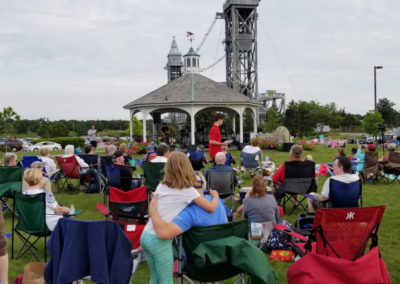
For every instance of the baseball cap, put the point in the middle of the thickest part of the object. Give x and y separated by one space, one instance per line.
371 146
149 147
117 154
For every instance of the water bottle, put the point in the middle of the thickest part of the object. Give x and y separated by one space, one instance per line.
72 210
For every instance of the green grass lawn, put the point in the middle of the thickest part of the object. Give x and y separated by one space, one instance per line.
373 194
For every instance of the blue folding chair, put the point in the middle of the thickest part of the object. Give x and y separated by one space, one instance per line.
345 195
28 160
196 159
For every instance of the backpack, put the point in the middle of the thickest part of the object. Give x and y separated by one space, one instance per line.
277 239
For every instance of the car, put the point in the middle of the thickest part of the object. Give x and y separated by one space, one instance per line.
52 146
13 144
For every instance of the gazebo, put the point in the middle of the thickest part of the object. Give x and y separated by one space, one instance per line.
190 94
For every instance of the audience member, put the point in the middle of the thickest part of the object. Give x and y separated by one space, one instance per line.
84 170
295 155
192 216
126 173
162 153
3 252
110 149
229 158
10 159
260 205
342 168
253 148
220 166
175 192
150 154
49 164
88 149
385 158
44 183
123 148
54 211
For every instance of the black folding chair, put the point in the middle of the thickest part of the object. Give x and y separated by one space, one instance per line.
299 180
223 182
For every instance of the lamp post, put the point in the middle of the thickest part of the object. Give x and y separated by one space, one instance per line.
375 67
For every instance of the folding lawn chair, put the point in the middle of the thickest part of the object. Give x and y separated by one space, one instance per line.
196 159
115 179
250 163
391 169
345 195
69 170
31 210
82 248
153 173
215 253
10 183
223 182
371 166
341 237
299 180
126 207
28 160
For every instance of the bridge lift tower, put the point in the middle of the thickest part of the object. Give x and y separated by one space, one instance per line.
241 46
272 99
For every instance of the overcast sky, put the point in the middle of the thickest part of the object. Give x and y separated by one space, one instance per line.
85 59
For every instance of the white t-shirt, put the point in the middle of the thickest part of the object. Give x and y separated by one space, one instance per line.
346 178
251 149
159 159
92 133
51 203
171 201
49 164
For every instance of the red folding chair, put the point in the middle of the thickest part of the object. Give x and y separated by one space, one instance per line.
69 170
126 207
341 237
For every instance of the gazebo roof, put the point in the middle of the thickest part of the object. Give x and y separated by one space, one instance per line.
191 88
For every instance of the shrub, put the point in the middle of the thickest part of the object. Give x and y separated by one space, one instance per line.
138 148
64 141
308 147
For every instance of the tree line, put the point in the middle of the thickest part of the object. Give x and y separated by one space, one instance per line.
301 118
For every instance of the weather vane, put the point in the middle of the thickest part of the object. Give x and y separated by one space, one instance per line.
190 36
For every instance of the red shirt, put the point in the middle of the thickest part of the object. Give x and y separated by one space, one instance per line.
215 135
279 175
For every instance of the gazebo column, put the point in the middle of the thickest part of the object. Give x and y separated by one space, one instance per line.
255 123
234 124
144 114
192 128
241 125
130 125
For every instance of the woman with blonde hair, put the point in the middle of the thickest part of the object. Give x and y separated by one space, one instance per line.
174 192
123 148
54 211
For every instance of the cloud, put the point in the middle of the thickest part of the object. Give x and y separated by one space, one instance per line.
85 59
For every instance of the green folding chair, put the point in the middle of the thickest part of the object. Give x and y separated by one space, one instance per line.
153 173
10 183
219 252
31 226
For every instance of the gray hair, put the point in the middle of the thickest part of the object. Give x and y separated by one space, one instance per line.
69 150
162 149
111 149
296 151
8 158
220 158
37 164
391 147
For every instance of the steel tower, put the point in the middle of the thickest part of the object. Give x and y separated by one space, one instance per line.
241 46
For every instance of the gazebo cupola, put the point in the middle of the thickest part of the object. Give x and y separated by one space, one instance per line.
174 64
191 61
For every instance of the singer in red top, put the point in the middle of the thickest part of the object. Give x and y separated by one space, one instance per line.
214 144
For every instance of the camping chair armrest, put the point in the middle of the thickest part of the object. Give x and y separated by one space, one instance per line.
103 210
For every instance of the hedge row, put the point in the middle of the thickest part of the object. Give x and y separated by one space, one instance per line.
64 141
